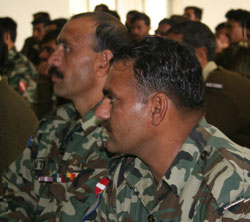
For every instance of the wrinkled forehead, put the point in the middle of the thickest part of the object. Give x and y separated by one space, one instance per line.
79 29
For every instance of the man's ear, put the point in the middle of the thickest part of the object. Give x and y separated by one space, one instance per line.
159 108
201 55
6 37
103 64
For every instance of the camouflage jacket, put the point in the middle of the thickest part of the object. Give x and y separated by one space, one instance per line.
207 181
64 143
22 75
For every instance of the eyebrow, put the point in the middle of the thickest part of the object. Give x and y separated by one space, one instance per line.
62 41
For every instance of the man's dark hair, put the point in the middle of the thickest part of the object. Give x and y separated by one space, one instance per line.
9 25
41 14
164 65
59 22
132 12
248 21
110 32
141 16
220 26
197 11
3 48
103 7
167 21
52 35
238 15
197 35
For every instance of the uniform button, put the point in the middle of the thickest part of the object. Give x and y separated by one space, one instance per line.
151 218
204 155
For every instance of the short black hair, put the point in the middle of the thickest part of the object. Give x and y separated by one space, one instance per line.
220 26
110 32
197 35
238 15
9 25
59 22
132 12
41 17
141 16
197 11
103 7
167 21
52 35
3 48
167 66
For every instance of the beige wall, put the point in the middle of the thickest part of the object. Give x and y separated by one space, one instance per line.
22 10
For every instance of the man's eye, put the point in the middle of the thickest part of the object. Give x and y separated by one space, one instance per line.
66 49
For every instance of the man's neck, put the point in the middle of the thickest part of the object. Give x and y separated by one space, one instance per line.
167 145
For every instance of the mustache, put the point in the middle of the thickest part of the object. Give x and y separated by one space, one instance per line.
54 71
107 126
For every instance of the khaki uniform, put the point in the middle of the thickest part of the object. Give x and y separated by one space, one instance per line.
17 123
227 96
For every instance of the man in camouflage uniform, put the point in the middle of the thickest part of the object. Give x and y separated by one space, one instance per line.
21 73
55 177
184 169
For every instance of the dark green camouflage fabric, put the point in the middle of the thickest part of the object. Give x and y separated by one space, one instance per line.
22 75
207 181
64 143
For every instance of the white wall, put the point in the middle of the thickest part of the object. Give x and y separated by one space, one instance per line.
21 10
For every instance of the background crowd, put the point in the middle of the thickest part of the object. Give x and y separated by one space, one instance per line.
27 90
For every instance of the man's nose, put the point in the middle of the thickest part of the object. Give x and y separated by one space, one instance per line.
103 110
56 58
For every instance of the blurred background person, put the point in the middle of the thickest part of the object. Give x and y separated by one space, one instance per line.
193 13
31 45
140 24
21 73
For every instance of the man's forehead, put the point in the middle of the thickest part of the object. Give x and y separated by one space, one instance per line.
120 70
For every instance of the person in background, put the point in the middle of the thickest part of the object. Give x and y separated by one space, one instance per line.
237 56
54 179
163 26
226 92
175 166
222 39
129 16
21 73
17 121
57 23
101 8
31 45
140 23
193 13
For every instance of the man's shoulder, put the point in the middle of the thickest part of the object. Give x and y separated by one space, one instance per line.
62 115
224 169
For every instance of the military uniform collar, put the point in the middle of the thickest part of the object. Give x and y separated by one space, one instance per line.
138 175
209 67
187 159
89 121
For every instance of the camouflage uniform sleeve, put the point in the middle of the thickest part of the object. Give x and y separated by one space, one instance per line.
19 196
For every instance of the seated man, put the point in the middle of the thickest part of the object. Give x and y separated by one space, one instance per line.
54 178
178 167
227 93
